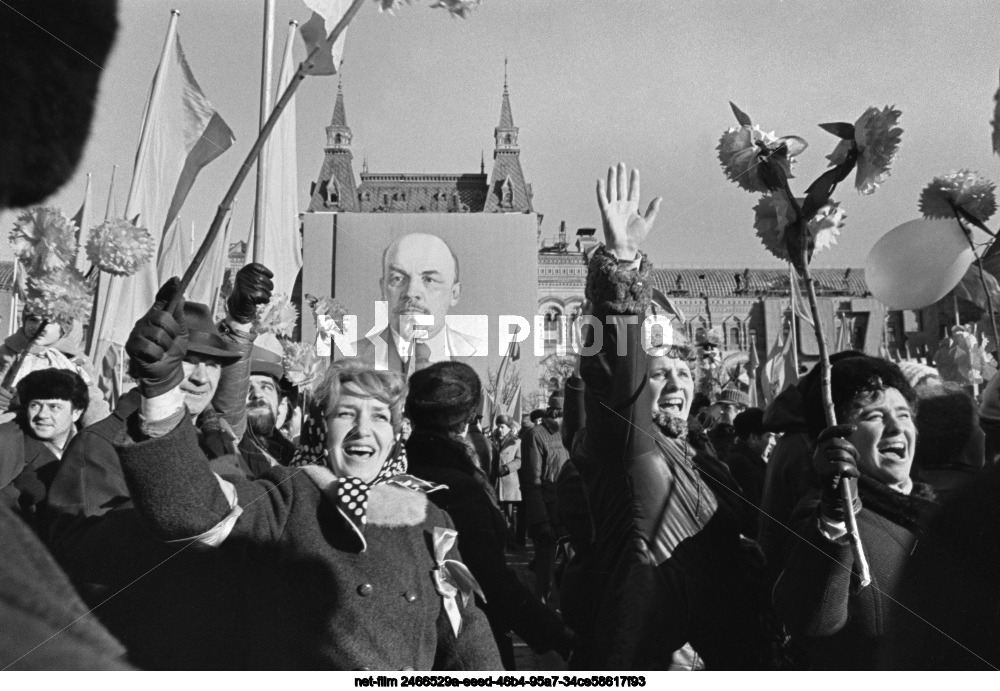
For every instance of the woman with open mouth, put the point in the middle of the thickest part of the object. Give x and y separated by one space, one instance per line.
345 563
838 624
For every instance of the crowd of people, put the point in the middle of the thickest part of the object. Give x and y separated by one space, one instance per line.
203 527
217 519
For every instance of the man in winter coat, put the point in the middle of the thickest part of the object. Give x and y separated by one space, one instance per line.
441 403
747 457
542 457
95 532
53 401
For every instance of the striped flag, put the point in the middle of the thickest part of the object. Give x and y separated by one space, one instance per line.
181 133
779 371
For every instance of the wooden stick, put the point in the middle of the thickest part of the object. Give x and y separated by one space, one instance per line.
846 495
265 132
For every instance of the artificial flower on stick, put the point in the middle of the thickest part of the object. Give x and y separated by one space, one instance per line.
119 248
794 228
277 317
458 8
43 239
303 368
61 296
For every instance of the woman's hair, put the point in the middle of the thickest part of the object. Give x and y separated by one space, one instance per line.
854 381
361 377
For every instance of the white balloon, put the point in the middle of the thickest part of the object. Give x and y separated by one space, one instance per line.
915 264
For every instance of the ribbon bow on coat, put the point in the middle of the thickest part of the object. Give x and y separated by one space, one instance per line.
452 578
350 494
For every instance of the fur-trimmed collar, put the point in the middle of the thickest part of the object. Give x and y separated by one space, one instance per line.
908 510
389 506
442 449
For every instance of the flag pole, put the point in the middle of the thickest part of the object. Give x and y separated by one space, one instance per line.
111 192
244 170
267 55
13 298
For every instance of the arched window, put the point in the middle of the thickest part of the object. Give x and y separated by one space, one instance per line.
734 337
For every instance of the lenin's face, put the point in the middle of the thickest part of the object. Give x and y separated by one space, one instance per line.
419 277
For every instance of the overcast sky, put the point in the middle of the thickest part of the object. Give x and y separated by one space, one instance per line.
592 82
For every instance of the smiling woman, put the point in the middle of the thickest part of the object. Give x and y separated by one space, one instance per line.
817 596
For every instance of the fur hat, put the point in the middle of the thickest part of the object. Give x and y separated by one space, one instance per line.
62 384
443 396
504 420
556 402
203 336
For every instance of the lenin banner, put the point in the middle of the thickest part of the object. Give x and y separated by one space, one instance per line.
428 286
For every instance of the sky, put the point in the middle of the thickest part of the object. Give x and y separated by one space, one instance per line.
592 82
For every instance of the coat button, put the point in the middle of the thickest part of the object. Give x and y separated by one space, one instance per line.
410 596
365 589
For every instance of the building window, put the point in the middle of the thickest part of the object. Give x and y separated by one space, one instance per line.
734 338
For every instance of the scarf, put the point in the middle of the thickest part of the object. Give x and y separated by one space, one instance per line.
350 494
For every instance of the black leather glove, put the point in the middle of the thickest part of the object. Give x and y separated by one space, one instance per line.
504 470
158 343
253 287
836 460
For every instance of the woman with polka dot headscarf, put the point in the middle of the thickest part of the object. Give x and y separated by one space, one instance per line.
345 562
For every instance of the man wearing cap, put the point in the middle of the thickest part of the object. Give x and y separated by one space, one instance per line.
542 457
52 402
728 403
264 445
93 527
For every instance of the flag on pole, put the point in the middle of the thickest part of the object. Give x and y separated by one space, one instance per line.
799 304
207 281
111 207
83 223
779 371
181 133
325 15
753 366
280 243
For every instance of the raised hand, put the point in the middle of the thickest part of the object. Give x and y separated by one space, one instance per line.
252 287
624 229
158 343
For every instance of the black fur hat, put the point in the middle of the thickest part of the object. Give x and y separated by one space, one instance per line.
63 384
443 396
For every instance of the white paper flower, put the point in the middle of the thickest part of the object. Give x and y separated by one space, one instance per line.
277 317
741 152
119 248
59 296
773 215
44 239
327 307
825 226
963 188
303 368
964 357
877 138
458 8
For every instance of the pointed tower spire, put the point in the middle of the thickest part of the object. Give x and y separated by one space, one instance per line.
335 189
482 162
507 192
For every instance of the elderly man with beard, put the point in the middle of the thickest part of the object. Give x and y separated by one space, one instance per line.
667 547
264 446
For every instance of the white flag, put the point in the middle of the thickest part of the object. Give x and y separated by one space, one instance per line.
326 14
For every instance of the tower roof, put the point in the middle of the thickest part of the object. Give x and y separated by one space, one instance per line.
339 114
506 118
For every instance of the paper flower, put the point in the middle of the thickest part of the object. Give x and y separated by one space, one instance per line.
744 151
964 357
59 296
277 317
44 239
963 188
876 139
825 226
773 215
119 248
457 8
327 307
303 368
